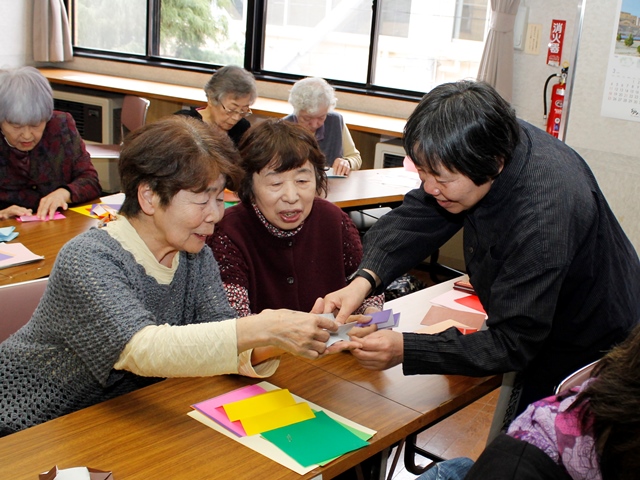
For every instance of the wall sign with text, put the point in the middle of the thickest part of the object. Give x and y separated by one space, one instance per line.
556 39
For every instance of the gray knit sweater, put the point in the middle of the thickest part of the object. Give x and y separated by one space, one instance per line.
97 298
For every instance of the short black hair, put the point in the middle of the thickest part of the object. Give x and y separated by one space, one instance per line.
465 127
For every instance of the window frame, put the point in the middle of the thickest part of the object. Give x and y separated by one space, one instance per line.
254 49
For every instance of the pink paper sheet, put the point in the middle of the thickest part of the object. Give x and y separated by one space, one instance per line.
213 407
33 218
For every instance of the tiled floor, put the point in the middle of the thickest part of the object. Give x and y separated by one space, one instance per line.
463 434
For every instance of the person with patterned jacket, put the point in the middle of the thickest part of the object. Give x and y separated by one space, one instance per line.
44 165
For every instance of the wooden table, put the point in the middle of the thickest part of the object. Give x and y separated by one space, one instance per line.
43 238
445 392
378 187
147 434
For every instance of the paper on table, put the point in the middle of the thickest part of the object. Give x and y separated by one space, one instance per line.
268 449
471 301
446 324
259 404
115 199
12 254
213 407
438 314
7 234
330 174
34 218
283 417
448 299
438 319
114 202
328 437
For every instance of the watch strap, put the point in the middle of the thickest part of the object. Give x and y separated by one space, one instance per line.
367 276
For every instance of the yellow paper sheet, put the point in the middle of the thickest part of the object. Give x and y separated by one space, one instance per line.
276 419
258 444
258 405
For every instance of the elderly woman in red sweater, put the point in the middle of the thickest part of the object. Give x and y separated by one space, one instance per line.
44 165
283 246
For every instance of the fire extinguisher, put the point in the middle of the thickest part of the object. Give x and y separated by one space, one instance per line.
557 100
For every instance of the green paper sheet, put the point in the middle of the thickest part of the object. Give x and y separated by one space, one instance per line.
314 441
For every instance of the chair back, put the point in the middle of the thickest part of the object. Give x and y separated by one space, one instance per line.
23 298
576 378
134 113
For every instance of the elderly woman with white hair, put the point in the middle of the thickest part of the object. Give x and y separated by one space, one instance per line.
44 164
313 101
230 91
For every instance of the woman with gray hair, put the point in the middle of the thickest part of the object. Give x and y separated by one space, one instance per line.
44 164
140 298
313 100
230 93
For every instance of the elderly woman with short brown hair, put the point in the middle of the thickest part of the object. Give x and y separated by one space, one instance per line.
284 246
141 298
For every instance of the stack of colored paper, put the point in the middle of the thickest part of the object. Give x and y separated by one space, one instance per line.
255 415
12 254
7 234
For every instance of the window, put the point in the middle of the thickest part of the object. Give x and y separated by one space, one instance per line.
415 45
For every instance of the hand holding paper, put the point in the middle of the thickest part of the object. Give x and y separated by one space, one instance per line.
383 320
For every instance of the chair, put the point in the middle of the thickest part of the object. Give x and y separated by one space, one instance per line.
133 116
576 378
23 298
511 389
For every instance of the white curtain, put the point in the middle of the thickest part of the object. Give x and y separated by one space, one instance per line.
51 33
496 66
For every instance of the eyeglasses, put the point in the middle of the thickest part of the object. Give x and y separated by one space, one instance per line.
236 113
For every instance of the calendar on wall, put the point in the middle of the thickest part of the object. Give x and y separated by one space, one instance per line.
621 96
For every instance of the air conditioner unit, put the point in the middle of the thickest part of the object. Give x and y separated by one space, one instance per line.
389 153
97 116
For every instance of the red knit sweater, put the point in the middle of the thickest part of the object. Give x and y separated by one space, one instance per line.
289 272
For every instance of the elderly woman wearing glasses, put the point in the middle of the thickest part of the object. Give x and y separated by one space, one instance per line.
230 92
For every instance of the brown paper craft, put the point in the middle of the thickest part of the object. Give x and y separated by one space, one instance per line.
438 319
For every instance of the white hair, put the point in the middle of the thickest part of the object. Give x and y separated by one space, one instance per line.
26 97
311 95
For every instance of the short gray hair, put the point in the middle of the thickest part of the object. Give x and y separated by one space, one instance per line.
231 80
312 94
26 97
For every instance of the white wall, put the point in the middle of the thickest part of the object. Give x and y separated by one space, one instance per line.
15 33
611 147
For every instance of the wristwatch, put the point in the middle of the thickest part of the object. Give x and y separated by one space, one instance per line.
375 289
